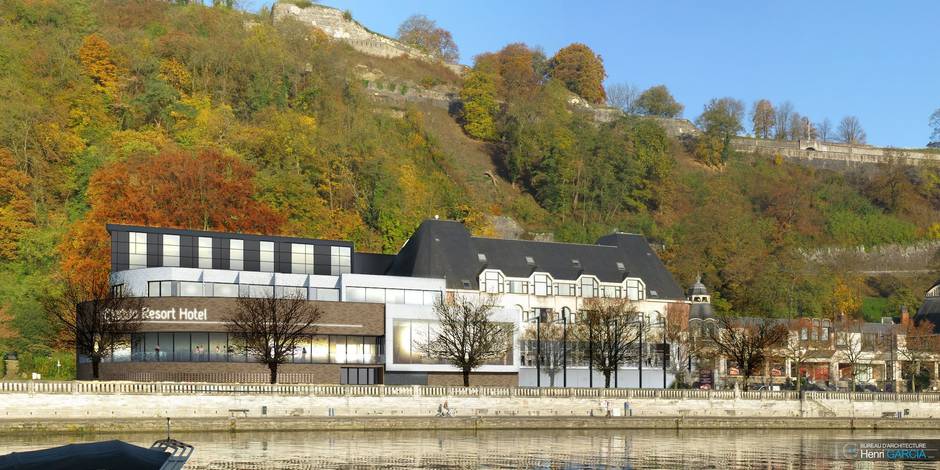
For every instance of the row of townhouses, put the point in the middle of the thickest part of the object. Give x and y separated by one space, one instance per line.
377 309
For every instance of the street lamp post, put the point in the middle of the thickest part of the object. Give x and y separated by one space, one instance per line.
564 348
591 357
538 349
640 364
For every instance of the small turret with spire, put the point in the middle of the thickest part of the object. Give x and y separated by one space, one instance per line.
701 300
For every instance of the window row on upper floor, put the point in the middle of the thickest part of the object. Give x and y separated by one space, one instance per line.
353 294
142 250
541 284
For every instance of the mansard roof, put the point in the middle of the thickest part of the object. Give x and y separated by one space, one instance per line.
445 249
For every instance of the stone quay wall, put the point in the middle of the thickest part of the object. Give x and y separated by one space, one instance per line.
52 401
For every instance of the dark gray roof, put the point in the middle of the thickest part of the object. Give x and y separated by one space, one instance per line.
930 311
698 288
445 249
372 263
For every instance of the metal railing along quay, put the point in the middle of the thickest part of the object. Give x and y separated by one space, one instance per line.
196 388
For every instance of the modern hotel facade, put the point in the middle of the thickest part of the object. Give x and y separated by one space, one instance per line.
375 309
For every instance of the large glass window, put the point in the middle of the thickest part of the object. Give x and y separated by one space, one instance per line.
542 286
355 294
493 282
374 295
205 253
340 260
320 293
565 288
171 250
236 255
164 347
191 289
218 344
181 347
395 296
338 349
431 297
610 292
255 291
267 256
137 250
224 290
634 290
414 297
301 258
200 347
518 287
354 350
588 287
320 349
287 292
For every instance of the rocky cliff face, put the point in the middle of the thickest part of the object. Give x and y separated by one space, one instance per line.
335 24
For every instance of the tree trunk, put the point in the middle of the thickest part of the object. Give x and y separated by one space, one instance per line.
273 367
606 379
95 363
466 377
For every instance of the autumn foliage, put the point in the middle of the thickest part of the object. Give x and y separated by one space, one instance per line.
581 70
96 57
16 207
208 190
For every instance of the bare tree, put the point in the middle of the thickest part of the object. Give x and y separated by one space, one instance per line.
850 131
801 342
920 344
848 338
424 34
763 118
467 336
550 333
98 316
747 341
684 342
612 329
782 120
623 96
270 327
824 130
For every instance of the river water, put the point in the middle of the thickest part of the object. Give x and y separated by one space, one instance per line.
539 449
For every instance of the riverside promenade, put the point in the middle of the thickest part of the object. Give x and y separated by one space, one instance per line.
48 406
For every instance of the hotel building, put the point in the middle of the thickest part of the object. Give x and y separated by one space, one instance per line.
375 308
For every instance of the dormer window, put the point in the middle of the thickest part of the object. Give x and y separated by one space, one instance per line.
492 282
621 267
541 286
588 287
530 261
481 257
576 264
466 283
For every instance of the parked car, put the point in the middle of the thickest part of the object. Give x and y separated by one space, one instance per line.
866 388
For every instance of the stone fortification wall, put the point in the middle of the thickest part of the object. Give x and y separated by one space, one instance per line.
334 24
915 258
834 155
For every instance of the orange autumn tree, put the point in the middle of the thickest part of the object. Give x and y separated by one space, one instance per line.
208 190
96 57
16 207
